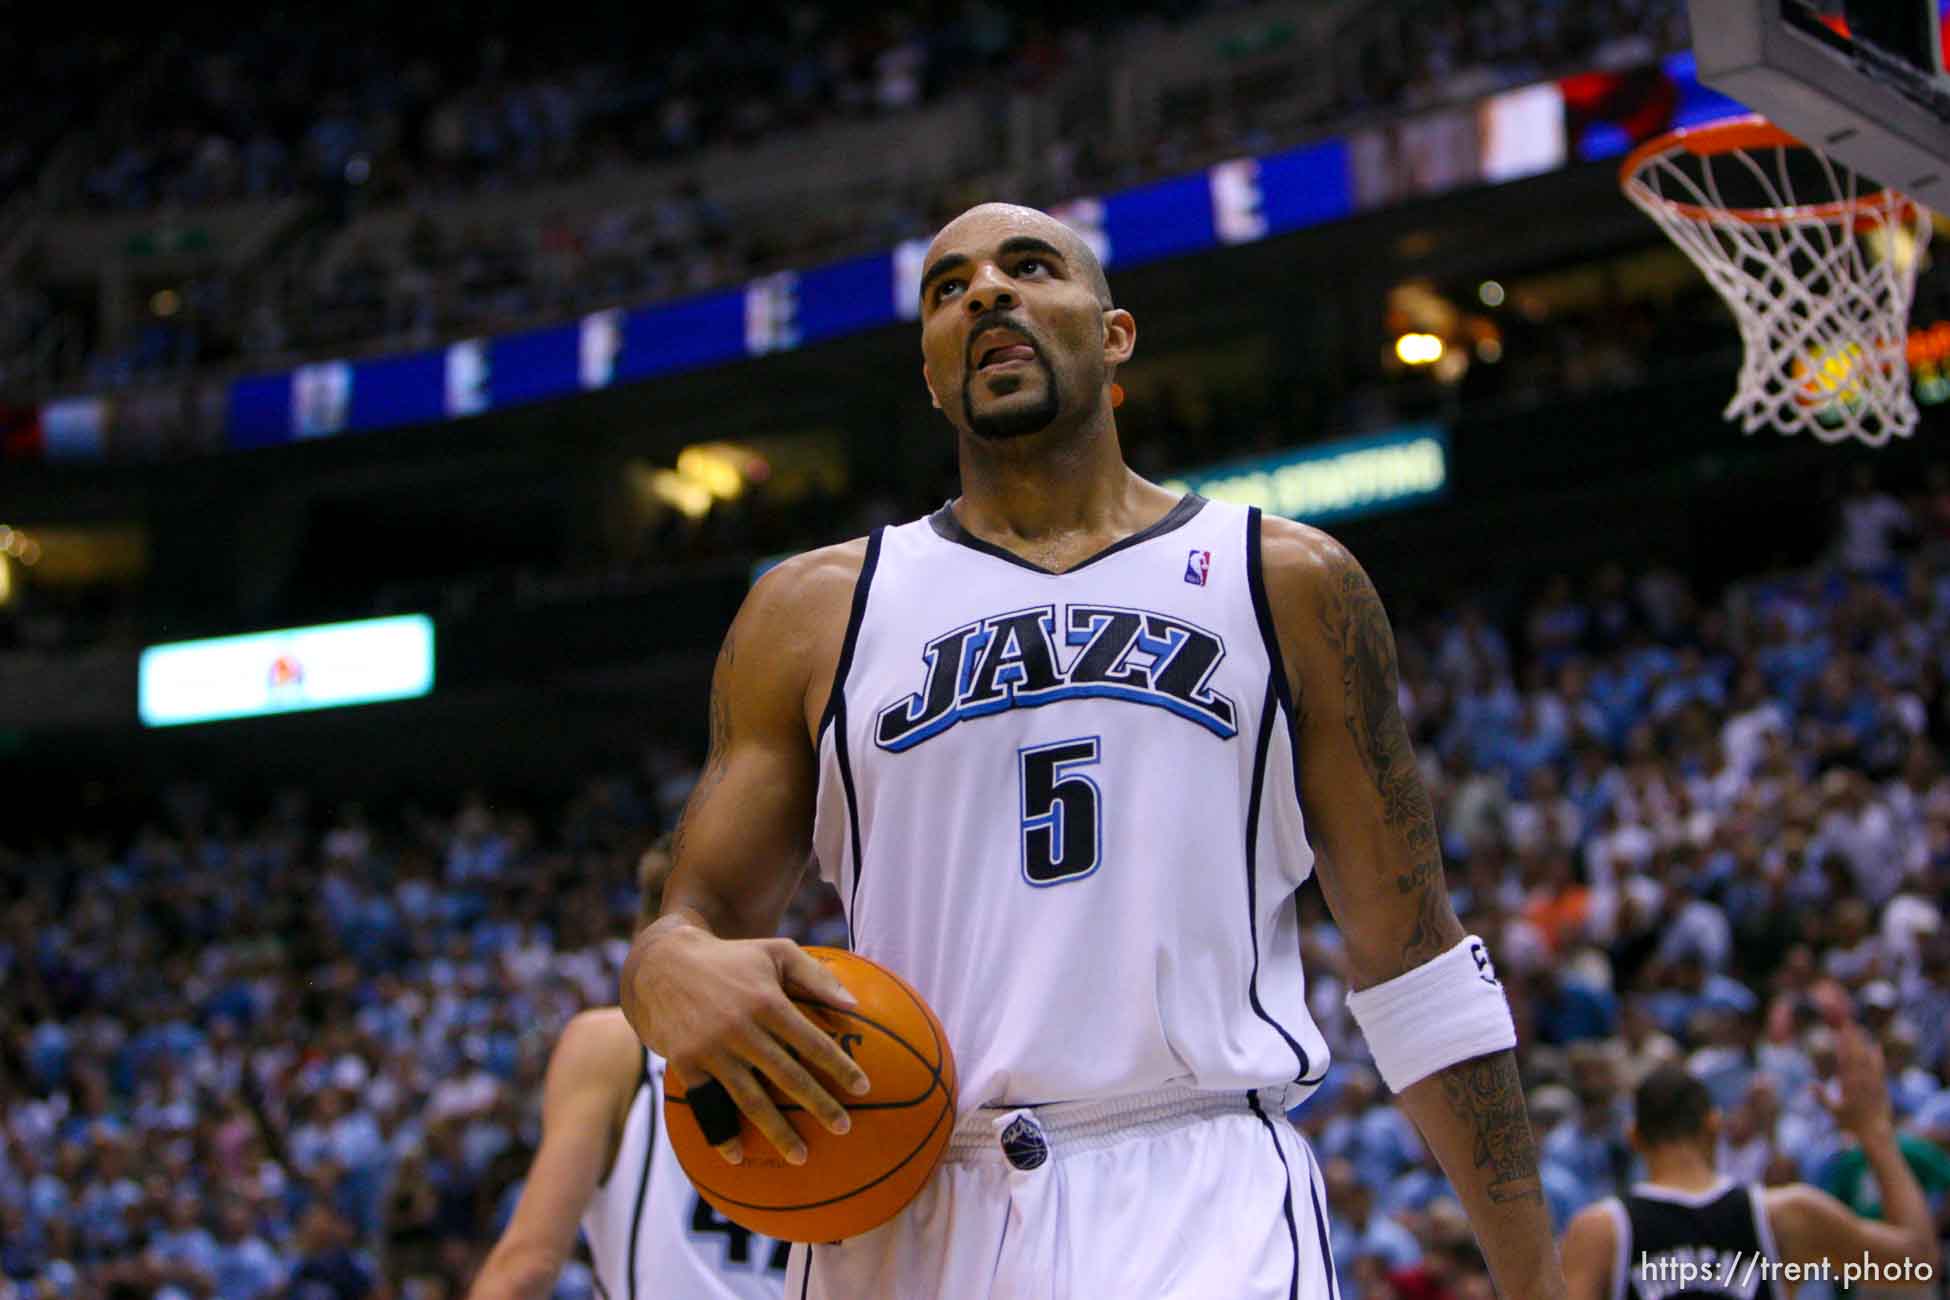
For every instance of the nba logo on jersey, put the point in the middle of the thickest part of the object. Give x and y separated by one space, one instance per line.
1197 565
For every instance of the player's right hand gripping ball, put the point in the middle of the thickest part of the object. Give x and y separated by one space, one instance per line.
851 1183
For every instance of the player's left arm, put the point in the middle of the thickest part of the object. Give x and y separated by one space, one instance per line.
596 1059
1380 868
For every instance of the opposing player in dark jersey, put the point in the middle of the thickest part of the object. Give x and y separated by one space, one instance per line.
1687 1231
605 1167
1066 747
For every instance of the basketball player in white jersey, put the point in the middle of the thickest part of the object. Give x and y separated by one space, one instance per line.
1686 1213
1065 747
605 1166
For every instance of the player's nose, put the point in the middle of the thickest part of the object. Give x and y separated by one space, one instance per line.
987 289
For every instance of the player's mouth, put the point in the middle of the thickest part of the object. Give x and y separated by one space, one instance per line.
1001 349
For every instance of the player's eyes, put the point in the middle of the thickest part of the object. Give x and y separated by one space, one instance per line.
1027 266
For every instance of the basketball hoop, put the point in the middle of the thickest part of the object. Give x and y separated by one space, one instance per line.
1818 264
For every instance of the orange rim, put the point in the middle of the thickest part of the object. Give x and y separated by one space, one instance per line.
1742 133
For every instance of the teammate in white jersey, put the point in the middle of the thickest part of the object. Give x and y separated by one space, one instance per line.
1065 747
605 1166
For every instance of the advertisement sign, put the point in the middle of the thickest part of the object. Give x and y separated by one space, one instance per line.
289 670
1334 480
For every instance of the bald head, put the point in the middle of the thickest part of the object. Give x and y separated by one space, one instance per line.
1018 334
1030 223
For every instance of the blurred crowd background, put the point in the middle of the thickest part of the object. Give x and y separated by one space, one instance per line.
252 1048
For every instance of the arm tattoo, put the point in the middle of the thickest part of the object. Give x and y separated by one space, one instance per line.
716 760
1487 1096
1356 626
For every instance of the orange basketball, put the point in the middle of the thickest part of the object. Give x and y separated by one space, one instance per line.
854 1182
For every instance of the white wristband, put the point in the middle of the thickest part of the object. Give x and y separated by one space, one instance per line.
1450 1008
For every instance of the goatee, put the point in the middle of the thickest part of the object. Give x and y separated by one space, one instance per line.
1017 423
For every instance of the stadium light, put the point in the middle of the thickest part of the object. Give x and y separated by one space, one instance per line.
1418 349
684 495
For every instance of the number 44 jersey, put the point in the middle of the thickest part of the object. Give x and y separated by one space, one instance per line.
651 1235
1064 807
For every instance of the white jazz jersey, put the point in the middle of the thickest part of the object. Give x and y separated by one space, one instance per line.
652 1237
1064 806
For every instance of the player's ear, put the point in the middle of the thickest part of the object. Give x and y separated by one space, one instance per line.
928 379
1120 336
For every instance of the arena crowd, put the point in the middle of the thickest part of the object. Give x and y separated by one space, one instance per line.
191 120
295 1050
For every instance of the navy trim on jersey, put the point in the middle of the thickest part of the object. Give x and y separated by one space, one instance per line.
835 714
856 615
1268 633
852 816
1286 1204
1252 876
805 1278
1320 1226
643 1180
1282 687
947 527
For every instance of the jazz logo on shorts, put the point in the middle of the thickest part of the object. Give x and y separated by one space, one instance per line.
1198 565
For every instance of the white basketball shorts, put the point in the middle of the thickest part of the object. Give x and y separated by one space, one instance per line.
1175 1195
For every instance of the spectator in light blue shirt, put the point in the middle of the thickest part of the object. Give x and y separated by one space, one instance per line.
1375 1138
41 1192
184 1252
346 1139
1357 1230
1529 747
1910 1086
47 1053
1417 1189
1932 1118
104 1204
1926 1001
245 1266
23 1244
1589 1143
1691 990
1807 1130
1564 1195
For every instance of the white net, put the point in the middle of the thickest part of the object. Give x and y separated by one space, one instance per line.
1818 265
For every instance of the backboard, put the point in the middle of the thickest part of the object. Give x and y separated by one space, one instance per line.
1860 79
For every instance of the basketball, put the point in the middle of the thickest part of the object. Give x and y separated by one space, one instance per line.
854 1182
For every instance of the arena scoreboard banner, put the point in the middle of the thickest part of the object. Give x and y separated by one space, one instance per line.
1334 480
289 670
1232 203
1503 137
1499 138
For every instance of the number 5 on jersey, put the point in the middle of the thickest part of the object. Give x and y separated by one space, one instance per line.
1062 814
